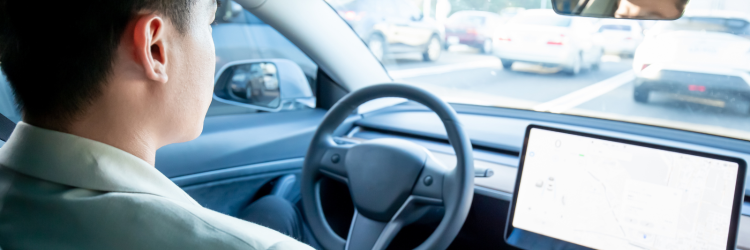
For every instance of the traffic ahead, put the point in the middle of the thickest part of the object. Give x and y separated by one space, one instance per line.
607 91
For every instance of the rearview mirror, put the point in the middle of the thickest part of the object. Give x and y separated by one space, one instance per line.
628 9
268 85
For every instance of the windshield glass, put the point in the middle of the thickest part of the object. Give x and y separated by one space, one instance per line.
691 74
734 26
466 19
551 19
614 27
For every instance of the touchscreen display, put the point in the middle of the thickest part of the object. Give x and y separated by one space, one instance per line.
610 195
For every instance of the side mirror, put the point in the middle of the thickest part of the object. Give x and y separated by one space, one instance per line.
266 84
632 9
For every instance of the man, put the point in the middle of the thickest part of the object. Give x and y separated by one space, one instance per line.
102 85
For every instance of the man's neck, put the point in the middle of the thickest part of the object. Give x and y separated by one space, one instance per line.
120 134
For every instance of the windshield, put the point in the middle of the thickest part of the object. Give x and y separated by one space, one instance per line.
734 26
466 19
690 74
551 19
614 27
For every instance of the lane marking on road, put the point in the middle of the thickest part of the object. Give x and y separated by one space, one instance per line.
434 70
586 94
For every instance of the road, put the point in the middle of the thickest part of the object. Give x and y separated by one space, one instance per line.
466 76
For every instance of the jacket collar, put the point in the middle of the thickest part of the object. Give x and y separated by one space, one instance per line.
79 162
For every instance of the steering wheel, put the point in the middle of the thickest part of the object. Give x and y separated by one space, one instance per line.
392 182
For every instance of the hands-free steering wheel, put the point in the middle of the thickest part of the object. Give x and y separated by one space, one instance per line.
391 181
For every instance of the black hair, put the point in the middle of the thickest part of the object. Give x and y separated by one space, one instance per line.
681 4
57 55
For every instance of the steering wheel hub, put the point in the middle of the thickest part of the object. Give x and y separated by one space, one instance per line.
382 173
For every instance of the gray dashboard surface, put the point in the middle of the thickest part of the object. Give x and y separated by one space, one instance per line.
504 129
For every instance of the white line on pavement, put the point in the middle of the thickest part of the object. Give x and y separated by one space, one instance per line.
588 93
406 73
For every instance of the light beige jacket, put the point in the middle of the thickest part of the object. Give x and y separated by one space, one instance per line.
60 191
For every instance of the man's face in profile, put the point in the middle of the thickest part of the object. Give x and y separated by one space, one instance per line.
650 9
191 73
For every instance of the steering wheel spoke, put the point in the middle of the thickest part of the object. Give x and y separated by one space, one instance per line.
429 186
333 162
366 233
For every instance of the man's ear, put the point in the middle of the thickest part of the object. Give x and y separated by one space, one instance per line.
150 47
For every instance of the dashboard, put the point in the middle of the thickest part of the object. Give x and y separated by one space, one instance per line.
498 139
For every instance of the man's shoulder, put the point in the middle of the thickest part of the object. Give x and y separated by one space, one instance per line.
88 219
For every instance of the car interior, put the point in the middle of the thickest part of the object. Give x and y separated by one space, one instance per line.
376 162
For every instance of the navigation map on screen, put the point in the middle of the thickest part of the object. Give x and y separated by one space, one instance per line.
609 195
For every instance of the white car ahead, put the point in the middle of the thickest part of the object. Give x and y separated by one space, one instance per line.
620 37
701 56
543 37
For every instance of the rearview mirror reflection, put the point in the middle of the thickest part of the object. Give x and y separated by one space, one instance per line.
627 9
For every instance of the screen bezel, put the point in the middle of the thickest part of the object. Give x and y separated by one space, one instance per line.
738 192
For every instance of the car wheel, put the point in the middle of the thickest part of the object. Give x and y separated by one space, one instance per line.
507 64
377 46
434 48
574 69
641 94
487 46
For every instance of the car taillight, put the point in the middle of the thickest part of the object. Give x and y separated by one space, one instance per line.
471 31
504 38
558 40
698 88
645 66
628 38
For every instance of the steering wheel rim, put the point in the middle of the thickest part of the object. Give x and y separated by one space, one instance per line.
455 187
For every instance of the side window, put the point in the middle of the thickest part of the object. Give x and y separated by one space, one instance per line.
8 105
252 19
240 35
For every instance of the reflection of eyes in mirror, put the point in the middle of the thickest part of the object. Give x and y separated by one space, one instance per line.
631 9
256 84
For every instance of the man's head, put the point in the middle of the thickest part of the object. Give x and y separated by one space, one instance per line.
147 63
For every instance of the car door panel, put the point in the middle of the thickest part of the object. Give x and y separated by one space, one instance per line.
241 140
230 196
227 166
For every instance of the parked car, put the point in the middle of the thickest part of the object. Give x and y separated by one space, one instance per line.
543 37
620 37
473 28
701 55
392 27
